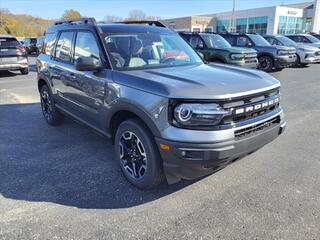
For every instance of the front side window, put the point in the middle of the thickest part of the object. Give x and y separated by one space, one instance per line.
86 46
48 44
149 50
63 47
215 41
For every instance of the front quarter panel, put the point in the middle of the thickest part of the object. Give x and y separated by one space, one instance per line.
150 108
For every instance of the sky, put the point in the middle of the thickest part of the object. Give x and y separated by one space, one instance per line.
53 9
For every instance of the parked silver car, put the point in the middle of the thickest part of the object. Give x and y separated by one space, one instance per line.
306 54
305 39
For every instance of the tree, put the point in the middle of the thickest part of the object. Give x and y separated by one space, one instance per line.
136 15
111 18
70 13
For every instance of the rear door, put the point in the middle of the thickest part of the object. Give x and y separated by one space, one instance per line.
9 50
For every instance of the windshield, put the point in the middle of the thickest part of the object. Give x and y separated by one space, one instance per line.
312 38
258 40
286 41
149 50
215 41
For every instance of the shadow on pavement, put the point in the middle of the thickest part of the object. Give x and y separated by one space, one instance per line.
68 165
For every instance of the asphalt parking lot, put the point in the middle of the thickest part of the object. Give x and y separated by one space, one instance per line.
63 183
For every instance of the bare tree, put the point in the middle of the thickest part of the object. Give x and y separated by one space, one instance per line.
137 15
112 18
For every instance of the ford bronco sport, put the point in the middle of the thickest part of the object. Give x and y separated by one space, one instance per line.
168 114
216 49
270 57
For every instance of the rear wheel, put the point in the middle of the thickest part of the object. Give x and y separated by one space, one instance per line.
49 110
266 63
138 155
24 71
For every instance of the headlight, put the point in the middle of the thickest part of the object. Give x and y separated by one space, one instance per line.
237 56
197 114
281 52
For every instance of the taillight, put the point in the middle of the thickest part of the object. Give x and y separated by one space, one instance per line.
21 48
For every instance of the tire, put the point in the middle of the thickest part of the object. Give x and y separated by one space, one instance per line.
24 71
138 155
50 112
297 63
266 63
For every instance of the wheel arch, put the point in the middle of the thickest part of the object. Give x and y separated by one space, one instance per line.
125 111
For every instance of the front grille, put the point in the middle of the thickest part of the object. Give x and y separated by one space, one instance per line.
245 132
249 107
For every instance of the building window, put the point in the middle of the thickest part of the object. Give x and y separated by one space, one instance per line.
196 29
222 26
245 25
208 29
290 25
258 25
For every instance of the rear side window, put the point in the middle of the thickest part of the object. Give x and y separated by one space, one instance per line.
86 46
8 42
49 41
63 47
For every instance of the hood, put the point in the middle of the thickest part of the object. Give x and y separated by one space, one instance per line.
307 47
273 47
317 44
241 50
214 81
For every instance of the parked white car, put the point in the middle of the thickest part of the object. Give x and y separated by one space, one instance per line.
305 39
306 53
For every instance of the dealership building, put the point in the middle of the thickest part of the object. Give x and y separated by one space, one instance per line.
284 19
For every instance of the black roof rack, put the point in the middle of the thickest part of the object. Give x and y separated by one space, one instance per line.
145 22
195 32
90 21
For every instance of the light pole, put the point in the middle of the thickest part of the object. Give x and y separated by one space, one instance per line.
233 21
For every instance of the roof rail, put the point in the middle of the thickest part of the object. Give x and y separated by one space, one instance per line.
90 21
145 22
195 32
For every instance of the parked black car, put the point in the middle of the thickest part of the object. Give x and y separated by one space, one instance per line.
13 55
39 44
270 57
31 45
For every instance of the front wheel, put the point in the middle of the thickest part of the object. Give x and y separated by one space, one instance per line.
24 71
49 110
266 63
138 154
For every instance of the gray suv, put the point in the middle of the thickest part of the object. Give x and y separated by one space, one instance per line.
169 115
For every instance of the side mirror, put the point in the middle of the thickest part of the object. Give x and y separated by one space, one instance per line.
88 64
249 44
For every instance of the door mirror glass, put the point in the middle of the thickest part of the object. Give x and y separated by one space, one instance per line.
87 64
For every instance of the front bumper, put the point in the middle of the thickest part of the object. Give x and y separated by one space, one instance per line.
247 63
191 160
313 59
285 61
